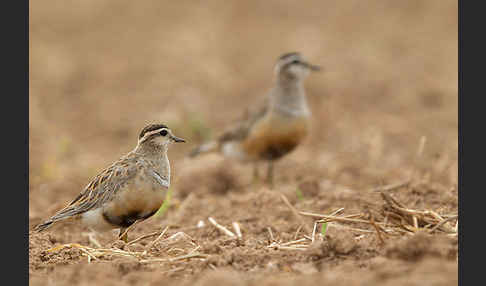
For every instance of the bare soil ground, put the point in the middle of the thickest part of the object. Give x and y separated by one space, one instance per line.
384 113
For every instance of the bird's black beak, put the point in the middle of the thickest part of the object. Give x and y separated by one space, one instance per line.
312 67
177 139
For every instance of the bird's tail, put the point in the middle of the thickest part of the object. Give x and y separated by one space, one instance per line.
43 226
57 220
204 148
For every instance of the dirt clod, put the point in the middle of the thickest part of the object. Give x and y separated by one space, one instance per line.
422 245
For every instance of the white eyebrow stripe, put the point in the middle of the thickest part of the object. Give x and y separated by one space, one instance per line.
154 132
291 59
150 133
159 179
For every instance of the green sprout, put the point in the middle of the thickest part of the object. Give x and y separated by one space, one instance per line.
165 205
300 196
198 126
324 228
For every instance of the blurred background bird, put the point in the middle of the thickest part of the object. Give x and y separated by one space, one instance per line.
276 127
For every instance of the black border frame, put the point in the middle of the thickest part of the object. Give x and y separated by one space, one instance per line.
16 88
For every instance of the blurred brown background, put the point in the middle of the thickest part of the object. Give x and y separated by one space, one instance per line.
102 69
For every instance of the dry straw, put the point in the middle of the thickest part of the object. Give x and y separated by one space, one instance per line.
142 256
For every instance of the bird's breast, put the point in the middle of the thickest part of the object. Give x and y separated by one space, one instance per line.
137 200
275 135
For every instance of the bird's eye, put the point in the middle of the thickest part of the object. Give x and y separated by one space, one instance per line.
295 61
163 132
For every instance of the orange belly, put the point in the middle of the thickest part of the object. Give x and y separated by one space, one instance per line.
275 136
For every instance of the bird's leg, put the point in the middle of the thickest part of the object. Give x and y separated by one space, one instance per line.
123 234
256 175
270 173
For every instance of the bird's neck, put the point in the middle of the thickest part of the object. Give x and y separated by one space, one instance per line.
155 155
288 97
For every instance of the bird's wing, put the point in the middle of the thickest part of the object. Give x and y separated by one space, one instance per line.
100 190
237 131
241 128
158 178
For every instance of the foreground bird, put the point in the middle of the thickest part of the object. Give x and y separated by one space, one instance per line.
131 189
277 126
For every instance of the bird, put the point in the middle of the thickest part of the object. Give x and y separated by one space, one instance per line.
130 190
276 126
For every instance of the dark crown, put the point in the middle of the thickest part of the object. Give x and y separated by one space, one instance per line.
289 55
